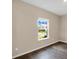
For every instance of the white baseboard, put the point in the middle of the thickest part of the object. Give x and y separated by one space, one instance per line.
64 41
32 50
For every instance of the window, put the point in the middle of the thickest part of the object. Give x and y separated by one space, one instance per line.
43 28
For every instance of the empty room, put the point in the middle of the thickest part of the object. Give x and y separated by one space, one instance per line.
39 29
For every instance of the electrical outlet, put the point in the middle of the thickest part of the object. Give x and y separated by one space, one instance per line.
16 49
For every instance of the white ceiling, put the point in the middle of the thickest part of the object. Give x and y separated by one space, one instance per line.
58 7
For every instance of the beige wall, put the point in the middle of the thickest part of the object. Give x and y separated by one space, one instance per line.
63 28
25 29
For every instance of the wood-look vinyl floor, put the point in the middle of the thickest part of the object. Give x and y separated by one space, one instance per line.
56 51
